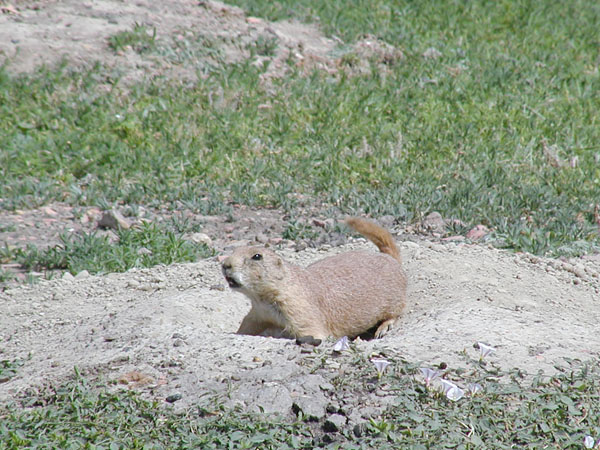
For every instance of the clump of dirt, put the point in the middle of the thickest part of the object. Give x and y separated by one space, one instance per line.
185 37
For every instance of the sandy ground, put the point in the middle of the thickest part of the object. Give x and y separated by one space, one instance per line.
175 325
169 331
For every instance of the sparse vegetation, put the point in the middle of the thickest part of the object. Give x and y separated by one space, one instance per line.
145 246
140 39
507 412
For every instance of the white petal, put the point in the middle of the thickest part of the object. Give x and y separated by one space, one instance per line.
485 349
588 442
455 393
380 364
341 345
474 388
447 385
429 374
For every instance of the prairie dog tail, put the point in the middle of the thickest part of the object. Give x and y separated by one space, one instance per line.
377 235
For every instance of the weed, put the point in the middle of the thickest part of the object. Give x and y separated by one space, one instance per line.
296 230
8 369
82 414
140 39
6 276
497 410
264 45
145 246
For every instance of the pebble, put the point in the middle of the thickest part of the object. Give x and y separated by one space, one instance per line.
334 423
201 238
82 275
68 277
173 398
113 220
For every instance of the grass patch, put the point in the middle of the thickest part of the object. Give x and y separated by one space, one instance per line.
145 246
140 39
8 369
82 415
557 411
499 409
464 132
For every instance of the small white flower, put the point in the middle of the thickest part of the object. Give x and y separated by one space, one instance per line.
474 388
452 391
429 374
485 349
380 365
341 345
589 442
455 393
447 385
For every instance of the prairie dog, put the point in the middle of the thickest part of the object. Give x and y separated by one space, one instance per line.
341 295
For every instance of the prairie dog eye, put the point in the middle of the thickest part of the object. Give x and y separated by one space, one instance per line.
257 257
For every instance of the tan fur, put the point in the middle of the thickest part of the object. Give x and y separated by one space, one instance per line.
342 295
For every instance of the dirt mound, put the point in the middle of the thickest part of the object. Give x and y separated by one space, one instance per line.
170 330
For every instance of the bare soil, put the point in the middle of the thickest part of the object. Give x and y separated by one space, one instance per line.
170 331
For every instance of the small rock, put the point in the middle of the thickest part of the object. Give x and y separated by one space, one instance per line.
478 232
387 221
114 220
82 275
434 222
319 223
68 277
173 398
201 238
300 246
579 270
309 340
312 407
144 251
135 377
49 211
333 408
261 238
359 429
334 423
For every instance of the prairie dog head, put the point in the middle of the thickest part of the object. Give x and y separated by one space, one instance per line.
254 271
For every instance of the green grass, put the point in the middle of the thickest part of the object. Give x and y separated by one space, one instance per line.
462 134
8 369
82 415
139 39
508 412
143 246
